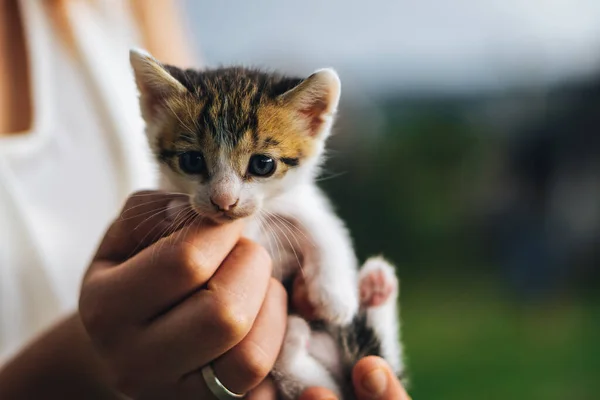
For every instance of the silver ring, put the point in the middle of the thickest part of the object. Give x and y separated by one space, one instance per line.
216 387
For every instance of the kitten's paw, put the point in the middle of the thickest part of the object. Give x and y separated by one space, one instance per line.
377 282
334 303
295 343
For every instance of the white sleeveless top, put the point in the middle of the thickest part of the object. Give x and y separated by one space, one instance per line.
62 182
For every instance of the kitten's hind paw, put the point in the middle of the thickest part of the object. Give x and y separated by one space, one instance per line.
377 282
297 334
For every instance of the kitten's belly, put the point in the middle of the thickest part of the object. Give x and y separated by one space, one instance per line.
281 241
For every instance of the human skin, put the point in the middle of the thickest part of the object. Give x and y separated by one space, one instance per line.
373 380
154 311
200 295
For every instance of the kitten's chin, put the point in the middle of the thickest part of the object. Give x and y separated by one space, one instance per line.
224 217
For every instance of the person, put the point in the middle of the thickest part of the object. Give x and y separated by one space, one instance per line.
150 313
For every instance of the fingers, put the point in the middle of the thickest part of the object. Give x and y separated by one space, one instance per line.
193 387
244 368
213 320
374 380
145 217
249 363
163 274
195 331
317 393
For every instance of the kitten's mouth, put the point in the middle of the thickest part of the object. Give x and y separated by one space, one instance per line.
226 216
222 217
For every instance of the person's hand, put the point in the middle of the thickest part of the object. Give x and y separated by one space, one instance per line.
158 311
373 380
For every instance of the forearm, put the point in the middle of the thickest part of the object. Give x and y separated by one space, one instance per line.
60 364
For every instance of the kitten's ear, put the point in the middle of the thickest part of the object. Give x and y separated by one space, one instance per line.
316 99
154 82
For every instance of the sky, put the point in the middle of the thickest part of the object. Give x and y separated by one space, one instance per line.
395 45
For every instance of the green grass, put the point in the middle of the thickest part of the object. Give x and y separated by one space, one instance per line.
468 341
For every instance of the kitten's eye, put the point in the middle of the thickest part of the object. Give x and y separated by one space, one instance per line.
191 162
261 165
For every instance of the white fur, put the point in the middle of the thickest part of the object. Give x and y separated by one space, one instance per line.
296 369
312 358
329 265
293 219
384 318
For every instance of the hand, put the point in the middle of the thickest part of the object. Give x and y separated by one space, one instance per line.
373 380
159 310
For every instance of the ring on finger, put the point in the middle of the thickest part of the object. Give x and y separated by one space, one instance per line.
216 387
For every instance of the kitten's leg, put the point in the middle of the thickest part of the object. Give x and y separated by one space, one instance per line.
329 263
295 369
379 287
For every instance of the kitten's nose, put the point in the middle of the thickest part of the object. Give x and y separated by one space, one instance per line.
224 202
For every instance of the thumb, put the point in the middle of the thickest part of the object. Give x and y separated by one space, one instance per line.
374 380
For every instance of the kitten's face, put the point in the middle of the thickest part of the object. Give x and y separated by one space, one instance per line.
234 138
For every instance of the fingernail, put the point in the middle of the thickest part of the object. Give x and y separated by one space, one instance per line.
375 382
174 208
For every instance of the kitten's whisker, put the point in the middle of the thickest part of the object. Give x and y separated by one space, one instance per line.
275 224
285 223
292 225
148 212
181 220
191 220
326 178
277 242
152 216
270 240
158 193
277 218
151 230
141 205
170 229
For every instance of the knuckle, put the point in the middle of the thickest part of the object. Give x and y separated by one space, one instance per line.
258 253
191 255
186 258
231 320
255 363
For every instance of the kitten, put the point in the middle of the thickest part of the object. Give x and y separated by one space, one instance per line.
248 144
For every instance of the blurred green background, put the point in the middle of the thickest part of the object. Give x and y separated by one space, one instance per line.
420 194
467 151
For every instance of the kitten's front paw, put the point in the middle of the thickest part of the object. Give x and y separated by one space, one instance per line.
334 303
377 283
